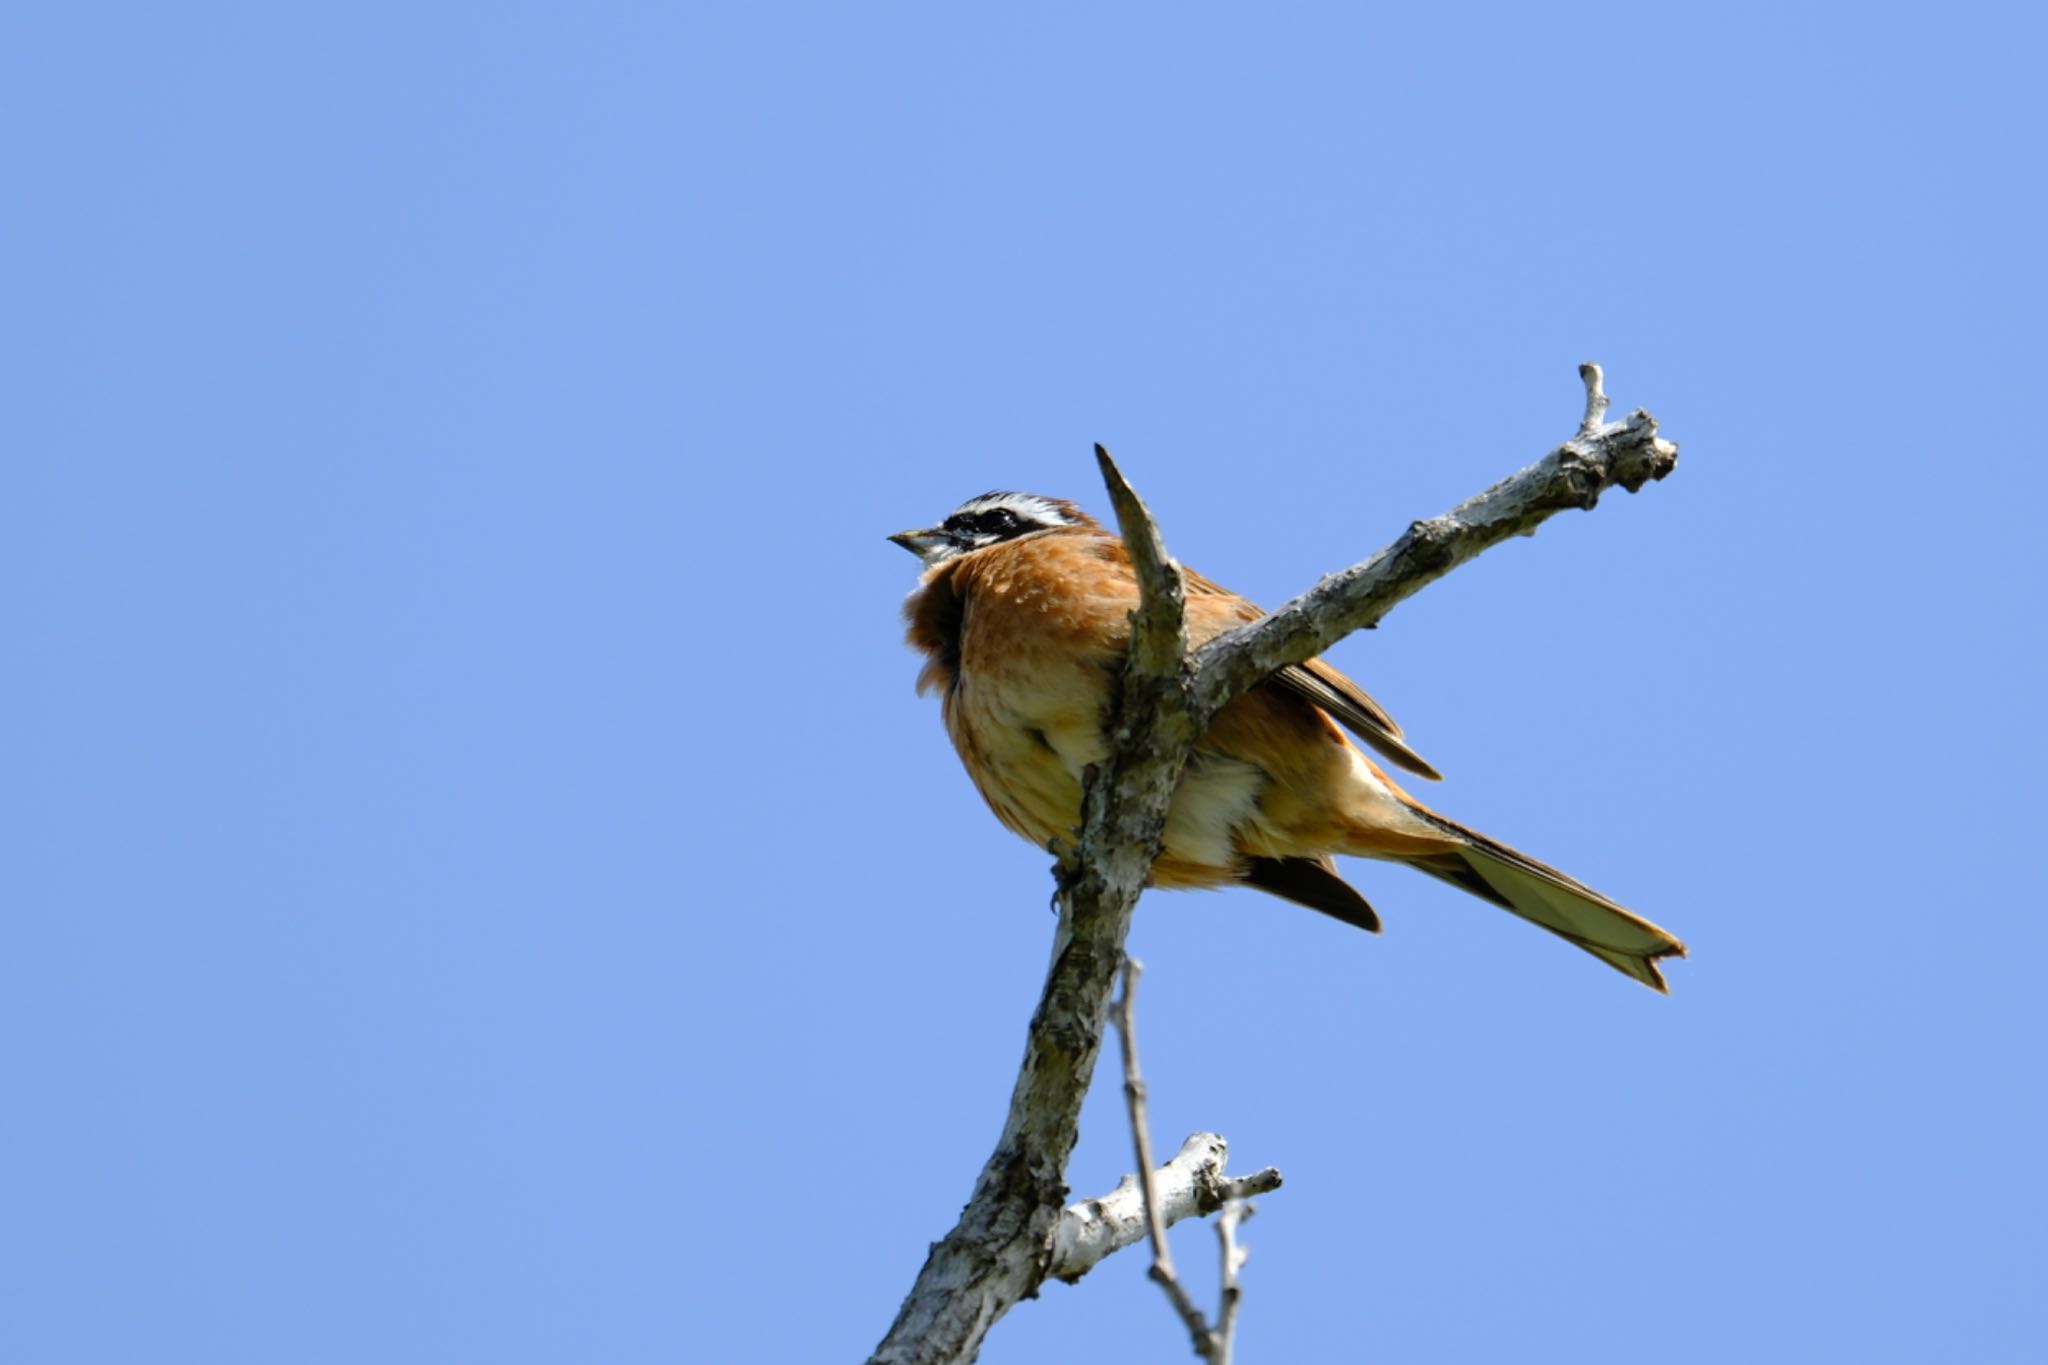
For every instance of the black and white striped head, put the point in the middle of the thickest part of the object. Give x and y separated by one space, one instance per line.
989 520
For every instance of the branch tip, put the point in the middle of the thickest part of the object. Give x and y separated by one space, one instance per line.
1159 627
1245 1186
1194 1184
1596 398
1597 456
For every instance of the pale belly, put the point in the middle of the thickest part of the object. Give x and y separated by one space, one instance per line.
1028 762
1029 767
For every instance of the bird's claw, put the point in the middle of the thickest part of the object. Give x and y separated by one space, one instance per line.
1066 870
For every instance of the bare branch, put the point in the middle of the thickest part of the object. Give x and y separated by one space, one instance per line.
1234 1256
1002 1249
1141 1138
1191 1185
1123 810
1628 453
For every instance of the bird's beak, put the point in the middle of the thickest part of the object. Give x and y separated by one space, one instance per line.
920 543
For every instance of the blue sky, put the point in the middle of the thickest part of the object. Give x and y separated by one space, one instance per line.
479 885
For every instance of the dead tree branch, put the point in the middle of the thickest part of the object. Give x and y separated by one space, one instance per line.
1163 1273
1192 1185
1003 1247
1628 453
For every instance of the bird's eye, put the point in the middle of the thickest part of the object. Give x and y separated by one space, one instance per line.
1001 520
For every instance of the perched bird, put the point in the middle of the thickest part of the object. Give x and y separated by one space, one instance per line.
1022 613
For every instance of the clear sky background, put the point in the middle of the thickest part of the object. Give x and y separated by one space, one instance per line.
478 884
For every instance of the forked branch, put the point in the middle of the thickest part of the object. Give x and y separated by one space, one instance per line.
1004 1246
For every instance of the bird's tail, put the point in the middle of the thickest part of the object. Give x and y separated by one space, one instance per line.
1542 895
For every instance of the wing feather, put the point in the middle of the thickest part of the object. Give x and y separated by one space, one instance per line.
1213 609
1320 685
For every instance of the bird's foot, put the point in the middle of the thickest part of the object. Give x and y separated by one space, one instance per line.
1066 869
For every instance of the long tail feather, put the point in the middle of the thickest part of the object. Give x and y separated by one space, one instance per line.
1542 895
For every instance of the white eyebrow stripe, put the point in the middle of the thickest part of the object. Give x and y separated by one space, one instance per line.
1033 508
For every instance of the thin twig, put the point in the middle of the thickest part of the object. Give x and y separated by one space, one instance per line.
1234 1256
1134 1099
1141 1139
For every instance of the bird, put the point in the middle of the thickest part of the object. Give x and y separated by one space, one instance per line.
1022 614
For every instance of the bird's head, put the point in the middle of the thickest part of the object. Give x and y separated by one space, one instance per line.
989 520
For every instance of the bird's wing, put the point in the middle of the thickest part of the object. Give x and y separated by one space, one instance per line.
1213 609
1312 882
1321 685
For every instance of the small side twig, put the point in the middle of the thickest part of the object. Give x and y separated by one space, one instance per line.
1234 1256
1596 398
1191 1185
1125 1015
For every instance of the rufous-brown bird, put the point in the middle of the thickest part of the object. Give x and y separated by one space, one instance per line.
1023 616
